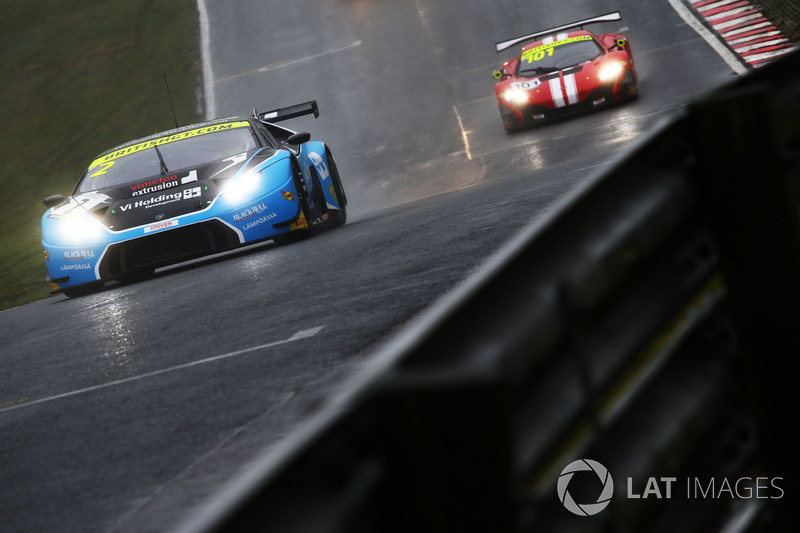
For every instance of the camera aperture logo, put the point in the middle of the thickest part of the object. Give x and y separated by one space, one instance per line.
586 509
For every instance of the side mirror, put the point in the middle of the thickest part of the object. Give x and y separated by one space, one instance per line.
619 43
299 138
52 201
500 74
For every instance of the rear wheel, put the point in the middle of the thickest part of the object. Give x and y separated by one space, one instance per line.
318 206
339 217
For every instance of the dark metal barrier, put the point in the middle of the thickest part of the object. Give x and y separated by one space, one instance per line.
650 324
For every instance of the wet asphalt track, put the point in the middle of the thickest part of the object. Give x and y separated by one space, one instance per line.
124 409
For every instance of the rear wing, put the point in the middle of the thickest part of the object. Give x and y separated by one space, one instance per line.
516 40
285 113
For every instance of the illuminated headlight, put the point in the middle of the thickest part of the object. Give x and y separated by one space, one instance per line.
610 71
243 188
516 96
79 229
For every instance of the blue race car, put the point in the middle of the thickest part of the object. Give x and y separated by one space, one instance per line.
189 192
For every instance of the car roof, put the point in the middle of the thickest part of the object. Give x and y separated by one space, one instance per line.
558 37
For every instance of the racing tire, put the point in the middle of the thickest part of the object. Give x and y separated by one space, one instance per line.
339 217
318 205
290 237
138 274
84 289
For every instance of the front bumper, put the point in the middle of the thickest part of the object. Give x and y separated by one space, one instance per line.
222 226
524 115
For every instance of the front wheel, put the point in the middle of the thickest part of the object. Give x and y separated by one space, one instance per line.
84 289
138 274
291 237
305 210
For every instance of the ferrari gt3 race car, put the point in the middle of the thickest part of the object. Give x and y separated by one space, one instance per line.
564 71
188 192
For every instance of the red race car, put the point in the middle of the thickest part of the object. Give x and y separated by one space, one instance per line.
563 72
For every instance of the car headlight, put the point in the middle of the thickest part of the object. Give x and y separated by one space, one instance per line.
610 71
79 228
516 96
243 188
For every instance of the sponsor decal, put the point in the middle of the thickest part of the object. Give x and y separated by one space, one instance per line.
77 266
194 192
160 184
192 176
258 221
160 226
250 212
108 158
287 195
88 201
234 160
155 185
526 85
163 199
46 255
299 223
539 52
319 164
73 255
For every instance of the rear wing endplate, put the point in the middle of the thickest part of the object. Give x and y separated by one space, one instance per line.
285 113
516 40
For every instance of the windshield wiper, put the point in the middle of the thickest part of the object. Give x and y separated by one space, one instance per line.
538 71
161 162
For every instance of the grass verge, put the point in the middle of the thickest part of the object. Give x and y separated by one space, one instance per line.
81 76
784 14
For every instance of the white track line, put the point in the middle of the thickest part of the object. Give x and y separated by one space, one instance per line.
290 62
464 136
303 334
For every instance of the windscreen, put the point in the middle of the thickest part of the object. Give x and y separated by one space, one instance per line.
557 55
161 155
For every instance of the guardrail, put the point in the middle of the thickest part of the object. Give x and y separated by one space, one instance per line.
646 325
